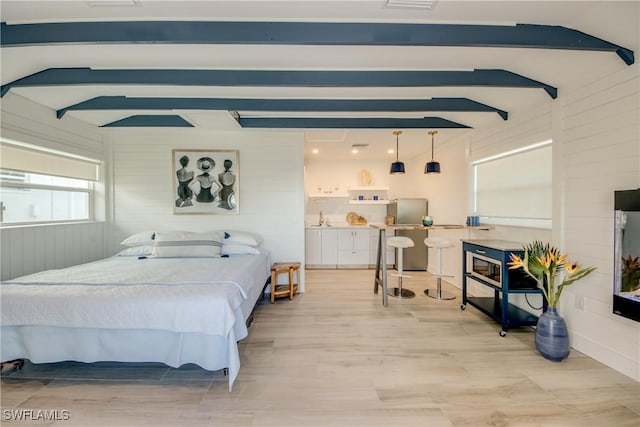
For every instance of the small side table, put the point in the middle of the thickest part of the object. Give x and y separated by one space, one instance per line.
278 291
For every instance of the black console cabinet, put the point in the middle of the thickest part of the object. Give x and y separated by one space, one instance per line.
500 279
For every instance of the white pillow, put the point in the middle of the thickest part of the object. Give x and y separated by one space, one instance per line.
182 244
136 251
230 249
139 239
242 238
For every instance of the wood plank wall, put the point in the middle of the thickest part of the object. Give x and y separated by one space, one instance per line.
271 185
601 154
29 249
26 250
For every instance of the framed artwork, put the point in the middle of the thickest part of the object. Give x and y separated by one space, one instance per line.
205 181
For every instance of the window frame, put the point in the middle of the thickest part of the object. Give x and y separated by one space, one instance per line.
90 191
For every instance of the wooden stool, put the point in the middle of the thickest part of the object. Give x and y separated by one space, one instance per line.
278 291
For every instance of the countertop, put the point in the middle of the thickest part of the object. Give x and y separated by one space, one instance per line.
501 245
378 226
336 226
431 227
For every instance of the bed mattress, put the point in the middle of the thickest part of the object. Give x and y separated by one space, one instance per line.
171 310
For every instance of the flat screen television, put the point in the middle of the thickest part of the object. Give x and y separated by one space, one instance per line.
626 288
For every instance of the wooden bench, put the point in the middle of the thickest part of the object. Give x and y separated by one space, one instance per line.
289 289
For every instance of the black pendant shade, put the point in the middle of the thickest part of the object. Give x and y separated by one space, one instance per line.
432 166
397 167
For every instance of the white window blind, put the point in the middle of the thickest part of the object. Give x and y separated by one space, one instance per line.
23 159
516 186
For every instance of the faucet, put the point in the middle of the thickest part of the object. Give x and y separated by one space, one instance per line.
321 219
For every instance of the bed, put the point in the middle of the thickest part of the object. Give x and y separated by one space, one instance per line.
174 310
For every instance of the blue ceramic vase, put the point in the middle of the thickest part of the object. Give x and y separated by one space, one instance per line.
552 336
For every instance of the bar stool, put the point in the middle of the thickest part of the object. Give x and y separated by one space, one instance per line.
289 289
400 242
438 243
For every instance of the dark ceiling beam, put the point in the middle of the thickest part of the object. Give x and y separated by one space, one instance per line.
253 104
150 121
308 33
348 123
277 78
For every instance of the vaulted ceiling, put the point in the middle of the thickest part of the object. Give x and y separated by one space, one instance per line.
348 72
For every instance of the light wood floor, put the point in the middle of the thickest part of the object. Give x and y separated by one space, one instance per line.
335 357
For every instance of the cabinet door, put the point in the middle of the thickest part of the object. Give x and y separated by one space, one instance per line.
361 241
345 240
329 247
353 240
353 247
313 246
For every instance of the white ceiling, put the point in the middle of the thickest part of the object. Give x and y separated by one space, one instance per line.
616 22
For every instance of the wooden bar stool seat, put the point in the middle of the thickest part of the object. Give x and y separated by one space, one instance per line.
289 289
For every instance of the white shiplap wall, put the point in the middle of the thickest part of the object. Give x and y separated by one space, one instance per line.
522 129
596 134
26 250
29 249
271 184
601 151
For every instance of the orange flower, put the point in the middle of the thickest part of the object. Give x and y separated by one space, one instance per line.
571 268
562 259
516 262
544 263
546 260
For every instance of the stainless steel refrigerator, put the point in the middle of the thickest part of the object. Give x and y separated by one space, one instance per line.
411 211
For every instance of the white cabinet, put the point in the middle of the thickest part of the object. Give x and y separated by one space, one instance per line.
353 247
321 247
349 247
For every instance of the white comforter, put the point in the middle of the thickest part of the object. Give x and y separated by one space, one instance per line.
172 294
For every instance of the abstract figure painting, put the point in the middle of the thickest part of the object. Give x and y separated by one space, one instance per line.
205 181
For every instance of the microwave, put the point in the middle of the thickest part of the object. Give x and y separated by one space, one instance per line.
489 270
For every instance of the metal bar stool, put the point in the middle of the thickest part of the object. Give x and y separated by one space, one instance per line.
400 242
438 243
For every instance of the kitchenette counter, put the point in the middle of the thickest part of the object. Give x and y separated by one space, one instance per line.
338 226
429 227
379 226
381 258
500 245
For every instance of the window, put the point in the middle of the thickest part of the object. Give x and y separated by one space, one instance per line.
514 188
33 190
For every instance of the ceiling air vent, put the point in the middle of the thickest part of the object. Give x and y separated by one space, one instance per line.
411 4
113 3
359 145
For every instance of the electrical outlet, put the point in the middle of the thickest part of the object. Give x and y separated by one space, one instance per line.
579 301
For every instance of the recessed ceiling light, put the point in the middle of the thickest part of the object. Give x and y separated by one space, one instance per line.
390 151
315 151
354 151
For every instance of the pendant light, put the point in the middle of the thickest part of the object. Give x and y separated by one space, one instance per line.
432 166
397 167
